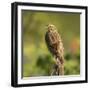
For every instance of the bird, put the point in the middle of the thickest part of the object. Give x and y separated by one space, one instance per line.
55 46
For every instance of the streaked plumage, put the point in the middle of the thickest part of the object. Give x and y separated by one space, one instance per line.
54 43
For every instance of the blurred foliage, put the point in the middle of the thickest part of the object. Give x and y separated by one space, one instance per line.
37 60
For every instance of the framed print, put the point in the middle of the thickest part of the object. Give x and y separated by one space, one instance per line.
49 44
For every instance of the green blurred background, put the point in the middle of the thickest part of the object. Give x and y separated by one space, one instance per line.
37 60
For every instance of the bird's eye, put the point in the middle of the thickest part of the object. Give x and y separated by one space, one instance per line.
49 26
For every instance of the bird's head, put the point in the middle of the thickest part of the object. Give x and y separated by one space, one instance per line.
51 27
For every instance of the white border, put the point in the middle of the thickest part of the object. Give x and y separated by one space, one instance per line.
46 79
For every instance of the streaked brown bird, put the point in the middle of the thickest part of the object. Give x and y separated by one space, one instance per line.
55 46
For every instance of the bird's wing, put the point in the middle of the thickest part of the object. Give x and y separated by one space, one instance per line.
52 41
52 37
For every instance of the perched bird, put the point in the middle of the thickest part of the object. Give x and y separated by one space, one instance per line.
55 46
